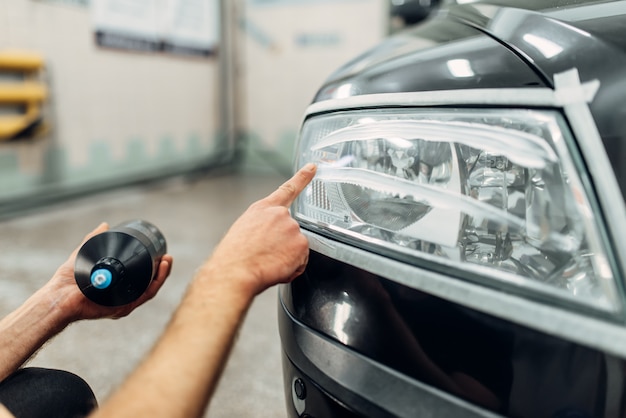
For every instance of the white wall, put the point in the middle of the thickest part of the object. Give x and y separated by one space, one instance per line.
113 113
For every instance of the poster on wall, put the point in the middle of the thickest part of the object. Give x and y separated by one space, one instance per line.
127 24
189 27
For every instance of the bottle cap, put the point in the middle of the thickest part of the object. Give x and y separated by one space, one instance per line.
101 278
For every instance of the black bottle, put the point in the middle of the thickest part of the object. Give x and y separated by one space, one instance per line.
115 267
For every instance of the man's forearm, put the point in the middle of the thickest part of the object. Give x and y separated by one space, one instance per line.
26 329
181 372
262 248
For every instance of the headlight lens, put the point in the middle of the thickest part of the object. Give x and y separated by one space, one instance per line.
494 192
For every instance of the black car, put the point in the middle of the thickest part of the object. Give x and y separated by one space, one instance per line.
467 222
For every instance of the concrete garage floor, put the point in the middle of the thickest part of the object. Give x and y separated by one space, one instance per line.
193 216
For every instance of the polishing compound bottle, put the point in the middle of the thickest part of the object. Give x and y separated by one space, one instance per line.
115 267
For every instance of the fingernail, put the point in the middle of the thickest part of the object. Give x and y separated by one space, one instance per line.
309 167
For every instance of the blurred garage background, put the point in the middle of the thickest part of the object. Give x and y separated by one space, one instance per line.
179 112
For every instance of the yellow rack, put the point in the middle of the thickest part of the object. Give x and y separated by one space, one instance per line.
28 94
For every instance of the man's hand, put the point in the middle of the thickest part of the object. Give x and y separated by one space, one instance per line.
53 307
265 244
62 289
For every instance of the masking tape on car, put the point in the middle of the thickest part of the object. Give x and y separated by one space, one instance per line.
568 91
576 108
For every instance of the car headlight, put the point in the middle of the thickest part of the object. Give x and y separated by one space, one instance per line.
490 193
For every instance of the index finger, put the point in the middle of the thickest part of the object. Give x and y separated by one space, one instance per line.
289 190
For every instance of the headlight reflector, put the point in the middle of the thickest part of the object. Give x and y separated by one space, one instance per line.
493 192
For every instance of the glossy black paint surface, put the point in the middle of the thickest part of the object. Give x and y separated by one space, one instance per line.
419 62
500 366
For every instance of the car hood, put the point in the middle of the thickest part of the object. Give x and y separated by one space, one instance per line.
424 58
